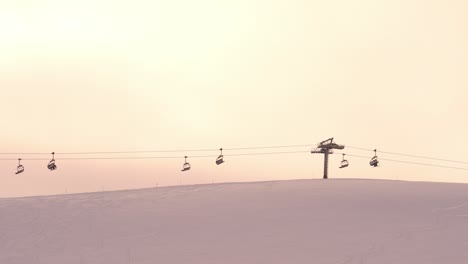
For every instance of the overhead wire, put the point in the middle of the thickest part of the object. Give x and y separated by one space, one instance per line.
270 147
227 155
155 151
409 162
410 155
226 149
111 152
161 157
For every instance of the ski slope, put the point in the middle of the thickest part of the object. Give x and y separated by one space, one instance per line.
301 221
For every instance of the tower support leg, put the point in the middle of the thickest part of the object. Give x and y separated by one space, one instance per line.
325 164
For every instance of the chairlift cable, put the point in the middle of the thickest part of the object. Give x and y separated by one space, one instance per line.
155 151
165 157
226 155
271 147
409 162
215 149
410 155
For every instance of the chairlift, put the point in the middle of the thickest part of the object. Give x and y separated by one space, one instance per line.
344 163
51 166
186 166
220 159
20 167
374 162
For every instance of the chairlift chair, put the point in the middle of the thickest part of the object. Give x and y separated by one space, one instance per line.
220 159
186 166
374 162
51 166
20 167
344 163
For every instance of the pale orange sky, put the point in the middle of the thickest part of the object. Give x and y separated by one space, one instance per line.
143 75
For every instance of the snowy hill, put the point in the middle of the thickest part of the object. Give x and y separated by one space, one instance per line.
303 221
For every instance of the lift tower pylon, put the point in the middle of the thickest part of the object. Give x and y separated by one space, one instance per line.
326 148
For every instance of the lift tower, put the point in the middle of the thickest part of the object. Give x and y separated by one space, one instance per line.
326 147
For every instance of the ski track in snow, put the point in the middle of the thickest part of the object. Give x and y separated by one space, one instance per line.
304 221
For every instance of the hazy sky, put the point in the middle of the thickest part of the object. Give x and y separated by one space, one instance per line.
96 75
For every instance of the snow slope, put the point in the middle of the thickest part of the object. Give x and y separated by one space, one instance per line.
303 221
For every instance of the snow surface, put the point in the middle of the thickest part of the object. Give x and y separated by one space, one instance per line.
303 221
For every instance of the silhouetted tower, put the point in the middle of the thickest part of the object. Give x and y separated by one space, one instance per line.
326 147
